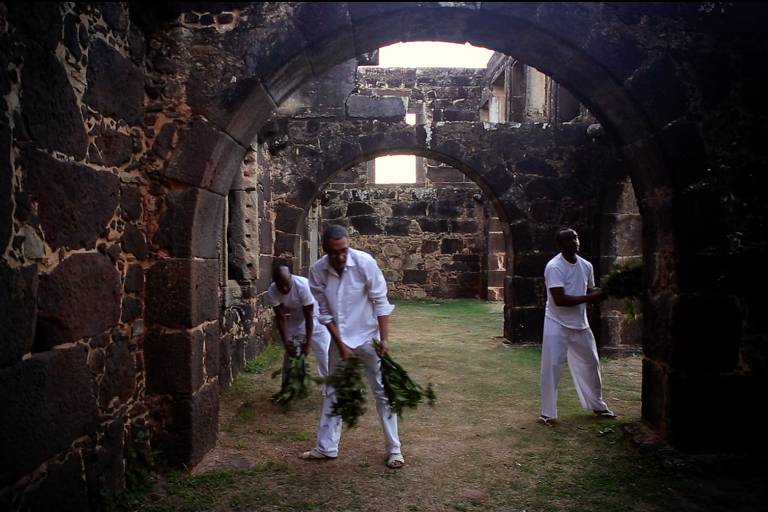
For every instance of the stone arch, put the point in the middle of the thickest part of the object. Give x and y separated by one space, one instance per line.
558 40
388 143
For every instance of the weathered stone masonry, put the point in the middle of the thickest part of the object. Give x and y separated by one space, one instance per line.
142 118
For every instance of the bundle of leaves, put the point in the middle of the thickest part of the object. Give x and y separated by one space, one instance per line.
625 282
347 382
400 389
296 385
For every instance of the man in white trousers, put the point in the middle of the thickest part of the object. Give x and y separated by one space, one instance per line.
568 279
296 315
352 294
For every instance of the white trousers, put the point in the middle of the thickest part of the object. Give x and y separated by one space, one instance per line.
579 347
329 433
319 344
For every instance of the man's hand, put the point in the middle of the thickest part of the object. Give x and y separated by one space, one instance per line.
598 295
382 347
344 351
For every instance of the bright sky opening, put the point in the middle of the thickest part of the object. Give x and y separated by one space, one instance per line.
433 54
395 169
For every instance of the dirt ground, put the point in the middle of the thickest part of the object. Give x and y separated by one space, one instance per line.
479 448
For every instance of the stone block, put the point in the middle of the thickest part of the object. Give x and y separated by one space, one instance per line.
18 296
47 402
495 278
133 242
411 276
106 466
376 107
535 166
182 293
174 362
523 324
465 226
109 71
163 144
80 298
446 208
74 203
429 246
288 218
357 208
366 225
131 202
660 91
206 158
459 115
433 225
531 264
131 310
654 393
212 347
496 243
451 245
397 226
196 420
192 223
62 488
49 106
134 279
119 372
286 244
111 148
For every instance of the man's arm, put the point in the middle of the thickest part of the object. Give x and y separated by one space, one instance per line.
344 350
383 347
309 323
377 294
317 286
280 318
564 300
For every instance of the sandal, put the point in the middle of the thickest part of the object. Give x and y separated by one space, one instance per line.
315 454
395 461
546 421
605 414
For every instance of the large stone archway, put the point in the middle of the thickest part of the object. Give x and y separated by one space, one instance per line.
531 174
595 70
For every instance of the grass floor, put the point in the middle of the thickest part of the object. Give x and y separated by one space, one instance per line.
479 448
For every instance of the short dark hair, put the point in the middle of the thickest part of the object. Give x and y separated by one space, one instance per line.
281 262
334 232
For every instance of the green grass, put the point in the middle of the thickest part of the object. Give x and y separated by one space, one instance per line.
478 449
271 355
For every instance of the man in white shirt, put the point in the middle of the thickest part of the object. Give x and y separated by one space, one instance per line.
352 294
566 330
296 315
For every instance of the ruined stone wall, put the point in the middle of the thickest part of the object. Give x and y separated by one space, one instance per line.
429 239
73 252
91 208
438 94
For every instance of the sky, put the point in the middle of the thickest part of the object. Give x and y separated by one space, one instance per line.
432 54
428 54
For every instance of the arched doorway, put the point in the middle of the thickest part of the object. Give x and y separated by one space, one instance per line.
515 29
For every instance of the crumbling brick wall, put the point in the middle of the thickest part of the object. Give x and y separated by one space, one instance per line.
429 239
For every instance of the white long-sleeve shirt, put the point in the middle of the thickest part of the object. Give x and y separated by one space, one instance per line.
355 300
